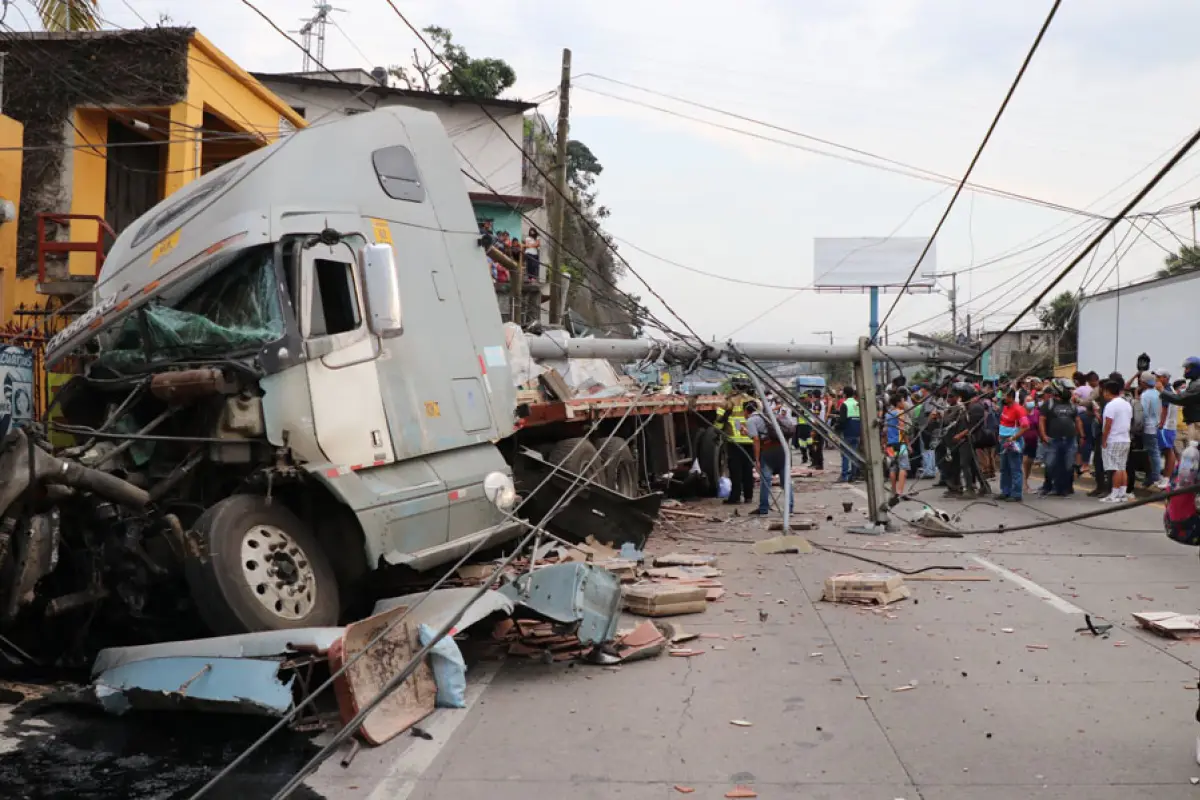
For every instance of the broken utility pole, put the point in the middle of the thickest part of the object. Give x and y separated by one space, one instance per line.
558 211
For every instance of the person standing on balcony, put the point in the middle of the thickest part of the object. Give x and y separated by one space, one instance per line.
533 259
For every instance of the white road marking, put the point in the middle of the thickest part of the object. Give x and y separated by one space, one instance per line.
1037 591
402 778
1034 589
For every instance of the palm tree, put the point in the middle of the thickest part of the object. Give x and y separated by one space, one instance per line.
69 15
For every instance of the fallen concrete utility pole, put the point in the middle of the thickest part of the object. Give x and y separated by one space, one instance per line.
636 349
860 355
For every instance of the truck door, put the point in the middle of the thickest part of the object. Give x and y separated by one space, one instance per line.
348 412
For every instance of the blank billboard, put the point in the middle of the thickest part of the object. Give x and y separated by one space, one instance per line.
865 261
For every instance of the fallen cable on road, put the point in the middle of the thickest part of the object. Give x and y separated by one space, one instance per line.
350 728
531 535
1100 512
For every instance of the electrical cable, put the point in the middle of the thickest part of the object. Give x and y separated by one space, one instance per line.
903 169
287 718
1108 227
563 196
971 167
796 293
1072 518
351 727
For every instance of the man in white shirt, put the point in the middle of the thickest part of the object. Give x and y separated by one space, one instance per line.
1118 419
1151 416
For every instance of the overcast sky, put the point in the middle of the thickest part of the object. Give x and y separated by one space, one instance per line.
1106 99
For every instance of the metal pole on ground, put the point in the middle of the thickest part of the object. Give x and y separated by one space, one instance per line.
871 447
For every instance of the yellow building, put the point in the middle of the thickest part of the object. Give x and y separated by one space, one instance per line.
114 121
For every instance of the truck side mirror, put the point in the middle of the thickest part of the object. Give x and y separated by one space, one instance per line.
381 284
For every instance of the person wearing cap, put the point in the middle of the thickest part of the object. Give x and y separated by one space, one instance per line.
1151 417
1189 399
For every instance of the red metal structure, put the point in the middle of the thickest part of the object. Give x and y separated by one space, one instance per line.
50 246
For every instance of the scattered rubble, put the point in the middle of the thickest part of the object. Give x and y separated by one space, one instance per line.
783 544
1170 624
867 588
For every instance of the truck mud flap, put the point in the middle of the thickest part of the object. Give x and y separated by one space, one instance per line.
611 517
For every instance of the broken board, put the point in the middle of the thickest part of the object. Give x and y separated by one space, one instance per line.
685 560
865 587
664 600
1169 623
410 703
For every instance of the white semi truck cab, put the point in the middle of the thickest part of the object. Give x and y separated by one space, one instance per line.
293 375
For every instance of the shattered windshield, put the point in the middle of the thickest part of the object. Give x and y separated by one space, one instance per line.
235 310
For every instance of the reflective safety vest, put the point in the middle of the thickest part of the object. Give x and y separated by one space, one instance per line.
736 422
851 408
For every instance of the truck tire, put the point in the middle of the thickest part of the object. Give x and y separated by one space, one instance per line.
619 466
253 565
577 456
710 451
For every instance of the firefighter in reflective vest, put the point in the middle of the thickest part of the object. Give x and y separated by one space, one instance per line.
850 426
739 447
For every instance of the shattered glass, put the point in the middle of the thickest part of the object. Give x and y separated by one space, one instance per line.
236 309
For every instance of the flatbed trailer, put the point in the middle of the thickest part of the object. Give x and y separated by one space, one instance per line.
680 430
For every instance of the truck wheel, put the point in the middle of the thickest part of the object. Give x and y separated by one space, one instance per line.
619 466
710 450
253 565
577 456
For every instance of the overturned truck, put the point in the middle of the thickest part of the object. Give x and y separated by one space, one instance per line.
293 373
293 380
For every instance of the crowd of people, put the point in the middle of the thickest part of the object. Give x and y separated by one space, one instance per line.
961 435
527 252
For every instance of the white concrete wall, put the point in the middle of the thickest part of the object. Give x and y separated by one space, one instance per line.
484 151
1159 320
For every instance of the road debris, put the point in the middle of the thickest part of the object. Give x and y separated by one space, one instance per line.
684 789
662 600
865 588
783 544
741 792
685 560
1007 630
741 723
1170 624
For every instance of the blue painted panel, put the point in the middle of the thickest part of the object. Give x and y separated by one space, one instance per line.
249 686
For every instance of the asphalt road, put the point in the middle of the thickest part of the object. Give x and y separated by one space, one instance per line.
988 717
1041 712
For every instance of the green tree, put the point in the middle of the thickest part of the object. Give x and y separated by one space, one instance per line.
59 16
1061 315
1186 260
475 77
582 166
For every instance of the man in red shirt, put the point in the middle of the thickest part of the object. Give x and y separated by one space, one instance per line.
1013 424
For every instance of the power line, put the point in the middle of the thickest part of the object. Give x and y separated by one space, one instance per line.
971 167
896 167
796 293
1108 227
542 173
